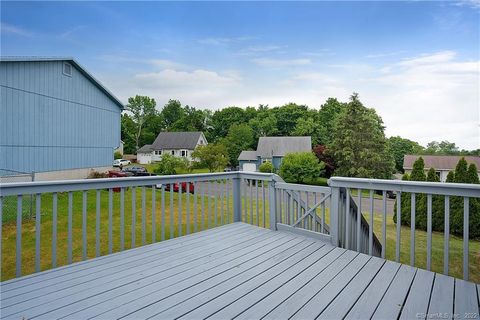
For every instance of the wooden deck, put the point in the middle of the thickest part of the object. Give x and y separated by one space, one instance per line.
239 271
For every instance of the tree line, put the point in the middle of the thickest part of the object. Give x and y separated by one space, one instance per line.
347 137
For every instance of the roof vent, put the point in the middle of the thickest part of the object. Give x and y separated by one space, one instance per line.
67 69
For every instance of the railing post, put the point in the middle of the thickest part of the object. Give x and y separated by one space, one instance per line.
237 200
272 201
334 216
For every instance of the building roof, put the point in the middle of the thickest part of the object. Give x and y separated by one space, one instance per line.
77 65
247 156
439 162
145 149
279 146
176 140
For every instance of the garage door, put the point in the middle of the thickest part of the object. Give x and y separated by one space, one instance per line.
249 167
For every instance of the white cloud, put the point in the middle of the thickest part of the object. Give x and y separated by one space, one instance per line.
423 98
11 29
280 63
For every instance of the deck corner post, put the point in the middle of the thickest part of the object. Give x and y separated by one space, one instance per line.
272 204
334 216
237 202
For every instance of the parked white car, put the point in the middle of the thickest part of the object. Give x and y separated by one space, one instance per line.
121 162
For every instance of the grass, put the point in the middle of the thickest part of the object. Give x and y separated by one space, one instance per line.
28 231
151 168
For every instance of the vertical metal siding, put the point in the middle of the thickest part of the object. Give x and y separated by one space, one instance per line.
49 121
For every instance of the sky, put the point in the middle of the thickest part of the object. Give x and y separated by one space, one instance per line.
417 63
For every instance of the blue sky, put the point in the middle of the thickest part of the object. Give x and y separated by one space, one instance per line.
416 62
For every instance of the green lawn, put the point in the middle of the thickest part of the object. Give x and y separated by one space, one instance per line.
28 231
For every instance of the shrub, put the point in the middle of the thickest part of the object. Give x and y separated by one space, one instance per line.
117 155
460 175
266 167
97 175
302 167
168 165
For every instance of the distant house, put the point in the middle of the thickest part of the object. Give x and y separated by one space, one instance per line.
442 164
179 144
273 149
56 119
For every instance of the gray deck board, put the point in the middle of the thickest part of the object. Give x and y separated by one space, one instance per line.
419 295
466 299
441 300
237 271
371 297
392 302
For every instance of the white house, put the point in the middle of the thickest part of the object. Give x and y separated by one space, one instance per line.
442 164
179 144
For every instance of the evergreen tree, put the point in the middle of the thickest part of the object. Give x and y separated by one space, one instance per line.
418 171
359 146
451 176
472 174
438 204
461 169
432 175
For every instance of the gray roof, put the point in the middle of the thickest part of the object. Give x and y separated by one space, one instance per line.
176 140
145 149
439 162
71 60
279 146
248 156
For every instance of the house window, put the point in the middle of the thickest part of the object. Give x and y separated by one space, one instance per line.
173 152
158 152
201 142
67 69
184 153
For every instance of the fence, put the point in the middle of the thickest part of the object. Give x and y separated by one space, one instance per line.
10 204
80 219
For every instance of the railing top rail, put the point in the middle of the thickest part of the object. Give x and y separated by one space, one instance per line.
302 187
19 188
452 189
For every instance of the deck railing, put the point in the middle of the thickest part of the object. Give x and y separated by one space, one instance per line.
348 236
80 219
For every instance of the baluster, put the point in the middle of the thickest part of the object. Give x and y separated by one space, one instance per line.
171 213
54 235
97 225
322 226
263 203
208 185
245 182
447 236
384 224
310 220
180 209
215 206
429 231
144 215
38 216
251 202
187 194
256 202
84 225
221 201
370 225
69 233
19 236
134 215
162 230
203 204
347 218
412 230
399 225
359 221
291 209
154 215
466 209
195 211
227 186
122 219
110 218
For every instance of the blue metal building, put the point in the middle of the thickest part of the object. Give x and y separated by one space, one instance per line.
55 116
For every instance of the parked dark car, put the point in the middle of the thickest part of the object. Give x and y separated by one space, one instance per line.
136 170
390 194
